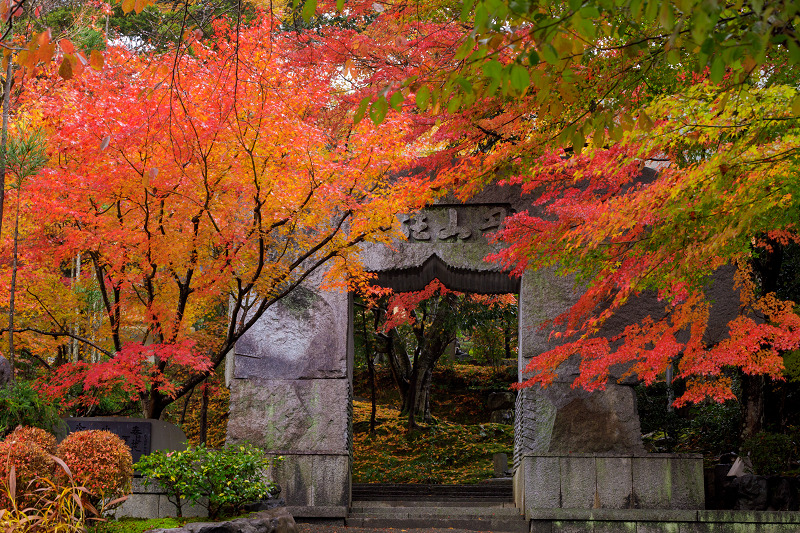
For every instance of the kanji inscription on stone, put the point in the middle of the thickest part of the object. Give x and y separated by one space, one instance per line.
137 435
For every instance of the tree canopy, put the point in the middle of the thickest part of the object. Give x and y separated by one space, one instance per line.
225 171
196 189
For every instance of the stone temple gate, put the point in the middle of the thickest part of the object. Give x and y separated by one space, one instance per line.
291 382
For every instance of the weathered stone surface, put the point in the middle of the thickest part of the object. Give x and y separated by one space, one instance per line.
313 480
652 482
304 335
5 371
688 488
614 482
542 482
502 416
578 482
290 415
500 464
751 492
272 521
604 421
566 419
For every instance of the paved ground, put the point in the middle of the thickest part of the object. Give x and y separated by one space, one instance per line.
314 528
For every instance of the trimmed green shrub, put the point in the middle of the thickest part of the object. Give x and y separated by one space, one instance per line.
218 479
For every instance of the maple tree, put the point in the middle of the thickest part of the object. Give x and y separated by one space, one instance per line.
198 189
570 101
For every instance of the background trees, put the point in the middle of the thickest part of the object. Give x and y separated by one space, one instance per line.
413 331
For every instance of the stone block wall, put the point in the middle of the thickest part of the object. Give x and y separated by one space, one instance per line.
596 481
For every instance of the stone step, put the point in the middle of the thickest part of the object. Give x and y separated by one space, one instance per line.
496 491
495 525
371 504
431 509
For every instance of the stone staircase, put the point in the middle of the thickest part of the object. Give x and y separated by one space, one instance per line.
484 507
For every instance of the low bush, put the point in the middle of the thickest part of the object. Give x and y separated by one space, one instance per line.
770 453
101 462
51 508
21 405
44 439
226 478
174 472
27 461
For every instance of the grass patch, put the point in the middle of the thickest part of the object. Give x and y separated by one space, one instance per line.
135 525
443 452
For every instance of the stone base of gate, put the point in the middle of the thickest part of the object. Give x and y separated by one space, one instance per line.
606 481
313 485
662 521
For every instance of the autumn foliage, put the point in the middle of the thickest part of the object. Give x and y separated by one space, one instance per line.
29 462
195 190
99 461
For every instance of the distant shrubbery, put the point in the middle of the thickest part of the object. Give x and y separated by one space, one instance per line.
21 405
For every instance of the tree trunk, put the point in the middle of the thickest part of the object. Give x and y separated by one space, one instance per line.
204 414
752 405
398 365
13 288
6 365
368 352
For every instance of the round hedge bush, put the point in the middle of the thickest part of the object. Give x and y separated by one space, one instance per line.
42 438
30 462
100 461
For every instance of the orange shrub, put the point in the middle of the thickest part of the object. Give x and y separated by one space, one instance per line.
45 440
99 461
30 462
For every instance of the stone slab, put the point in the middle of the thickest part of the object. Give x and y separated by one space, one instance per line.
313 481
614 482
304 335
658 527
578 482
652 482
285 416
617 527
542 482
688 490
331 480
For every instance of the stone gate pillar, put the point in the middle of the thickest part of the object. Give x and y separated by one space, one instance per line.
291 395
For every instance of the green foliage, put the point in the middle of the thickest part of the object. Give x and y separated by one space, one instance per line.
228 477
791 366
770 453
709 427
21 405
127 525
